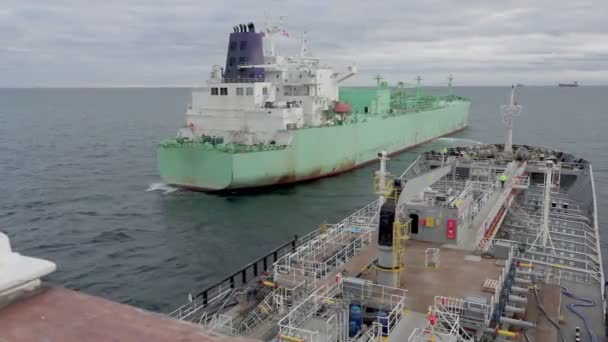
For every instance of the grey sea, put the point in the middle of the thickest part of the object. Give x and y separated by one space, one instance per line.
80 187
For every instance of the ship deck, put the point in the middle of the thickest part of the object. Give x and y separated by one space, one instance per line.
460 274
56 314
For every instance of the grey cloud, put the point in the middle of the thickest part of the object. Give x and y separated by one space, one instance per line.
156 42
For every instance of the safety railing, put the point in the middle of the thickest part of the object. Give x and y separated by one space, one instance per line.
193 311
473 315
445 327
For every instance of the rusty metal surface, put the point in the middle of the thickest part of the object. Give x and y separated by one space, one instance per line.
60 315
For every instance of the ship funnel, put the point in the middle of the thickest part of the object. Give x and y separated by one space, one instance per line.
244 49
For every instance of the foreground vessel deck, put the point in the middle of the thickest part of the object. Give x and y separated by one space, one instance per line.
62 315
476 253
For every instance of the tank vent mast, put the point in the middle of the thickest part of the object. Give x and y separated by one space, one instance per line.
508 112
543 239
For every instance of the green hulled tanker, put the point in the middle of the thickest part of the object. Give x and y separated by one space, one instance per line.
270 120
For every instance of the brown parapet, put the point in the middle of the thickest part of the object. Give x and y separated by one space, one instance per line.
60 315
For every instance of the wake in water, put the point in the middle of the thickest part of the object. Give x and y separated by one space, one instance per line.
166 189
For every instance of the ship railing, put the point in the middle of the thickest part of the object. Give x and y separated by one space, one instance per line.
362 221
565 165
222 324
417 167
447 328
243 79
328 258
212 296
489 227
495 299
563 223
564 239
271 307
373 334
365 218
389 299
194 310
589 274
473 315
290 326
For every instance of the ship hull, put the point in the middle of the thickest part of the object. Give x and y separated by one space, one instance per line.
313 153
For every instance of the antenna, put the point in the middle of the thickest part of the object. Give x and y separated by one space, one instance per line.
304 47
378 78
418 80
508 112
274 25
450 79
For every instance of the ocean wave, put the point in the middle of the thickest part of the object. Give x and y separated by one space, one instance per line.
112 236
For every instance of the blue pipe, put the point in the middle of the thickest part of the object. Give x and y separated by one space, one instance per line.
588 303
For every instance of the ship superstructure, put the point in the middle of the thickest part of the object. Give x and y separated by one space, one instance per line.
267 119
255 98
479 243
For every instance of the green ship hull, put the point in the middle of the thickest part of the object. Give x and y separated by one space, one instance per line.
313 152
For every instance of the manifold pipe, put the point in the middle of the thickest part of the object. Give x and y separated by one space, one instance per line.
528 273
517 322
514 309
519 289
518 299
522 280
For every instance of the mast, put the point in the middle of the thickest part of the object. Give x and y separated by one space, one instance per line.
450 79
543 239
378 78
304 46
274 26
508 112
418 81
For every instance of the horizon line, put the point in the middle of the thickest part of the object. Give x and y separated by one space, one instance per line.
203 86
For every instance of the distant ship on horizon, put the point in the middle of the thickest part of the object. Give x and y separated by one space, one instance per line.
573 84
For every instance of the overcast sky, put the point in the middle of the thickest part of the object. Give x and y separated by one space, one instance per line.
175 42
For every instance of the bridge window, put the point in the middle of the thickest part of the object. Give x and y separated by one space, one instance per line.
239 91
232 45
231 61
243 45
223 91
242 60
214 91
249 91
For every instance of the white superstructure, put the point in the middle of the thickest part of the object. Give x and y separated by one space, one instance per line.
284 93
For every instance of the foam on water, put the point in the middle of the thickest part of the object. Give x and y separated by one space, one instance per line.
165 188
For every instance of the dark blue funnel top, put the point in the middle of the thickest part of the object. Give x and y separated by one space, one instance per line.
245 47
